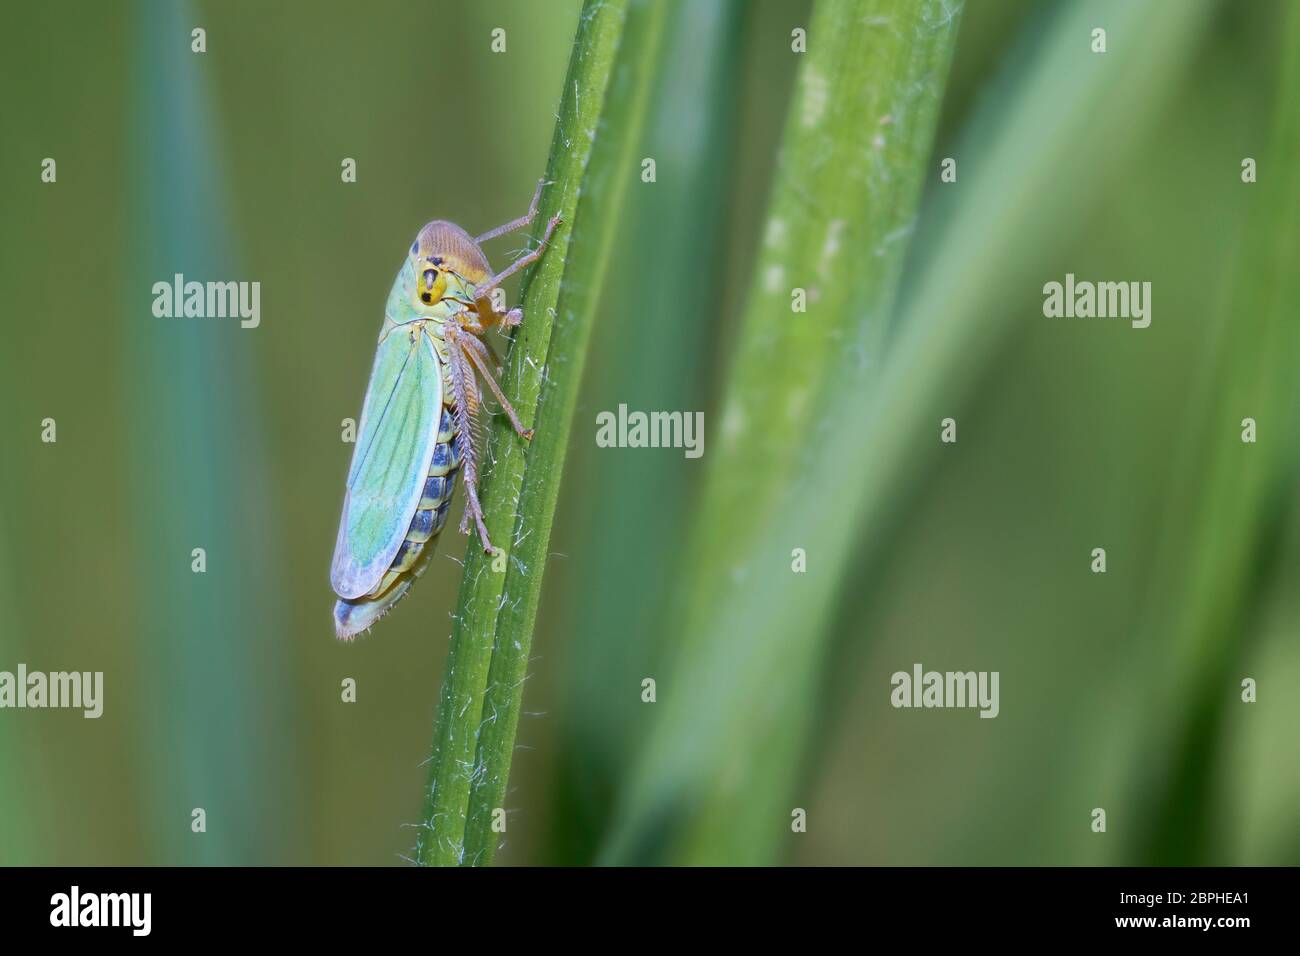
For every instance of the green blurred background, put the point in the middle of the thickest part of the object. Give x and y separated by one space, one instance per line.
223 689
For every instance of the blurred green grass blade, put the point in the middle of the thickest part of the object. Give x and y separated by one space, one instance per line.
677 223
851 164
600 112
1043 134
1257 808
1268 787
1227 509
771 629
209 639
854 155
1017 185
1057 128
18 829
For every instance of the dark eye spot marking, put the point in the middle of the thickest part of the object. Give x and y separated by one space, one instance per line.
426 297
436 260
429 278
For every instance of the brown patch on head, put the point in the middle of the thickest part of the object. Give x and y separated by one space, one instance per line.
456 247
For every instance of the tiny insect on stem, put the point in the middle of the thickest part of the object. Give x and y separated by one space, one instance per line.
420 419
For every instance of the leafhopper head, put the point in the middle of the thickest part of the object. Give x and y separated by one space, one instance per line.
440 248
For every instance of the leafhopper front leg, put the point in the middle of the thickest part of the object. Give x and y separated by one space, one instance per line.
484 289
522 222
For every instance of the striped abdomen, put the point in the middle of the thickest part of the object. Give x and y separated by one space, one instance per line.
431 514
413 555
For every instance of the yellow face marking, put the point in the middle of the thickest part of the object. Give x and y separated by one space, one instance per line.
431 280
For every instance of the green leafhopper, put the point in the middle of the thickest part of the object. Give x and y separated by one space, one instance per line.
419 420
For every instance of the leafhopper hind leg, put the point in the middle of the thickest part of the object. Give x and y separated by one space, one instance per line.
465 393
467 353
477 351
